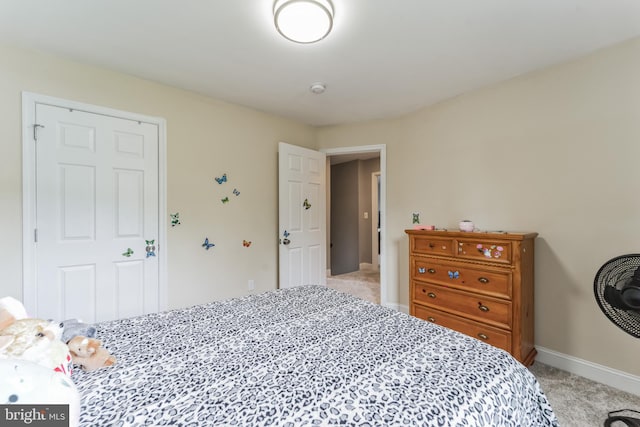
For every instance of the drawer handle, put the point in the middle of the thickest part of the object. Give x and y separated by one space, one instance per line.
431 245
431 295
483 336
431 319
482 307
431 270
483 280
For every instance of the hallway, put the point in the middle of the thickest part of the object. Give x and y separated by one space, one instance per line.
364 284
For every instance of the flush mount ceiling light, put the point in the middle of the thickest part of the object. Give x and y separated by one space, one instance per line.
303 21
318 88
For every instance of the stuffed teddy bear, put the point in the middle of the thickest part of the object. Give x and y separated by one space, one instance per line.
89 354
35 340
74 327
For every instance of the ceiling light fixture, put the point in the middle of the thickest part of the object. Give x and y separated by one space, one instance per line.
303 21
318 88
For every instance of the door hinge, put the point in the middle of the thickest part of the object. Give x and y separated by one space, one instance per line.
35 235
35 131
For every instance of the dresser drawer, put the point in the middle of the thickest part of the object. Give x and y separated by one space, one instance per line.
433 245
463 276
486 333
490 250
481 308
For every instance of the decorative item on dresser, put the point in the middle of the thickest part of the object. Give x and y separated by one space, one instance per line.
477 283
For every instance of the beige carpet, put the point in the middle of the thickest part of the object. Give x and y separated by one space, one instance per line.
364 284
579 402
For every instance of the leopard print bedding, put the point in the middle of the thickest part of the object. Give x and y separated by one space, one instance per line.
303 356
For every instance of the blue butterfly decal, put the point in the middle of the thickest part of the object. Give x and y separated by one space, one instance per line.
421 270
236 192
222 179
286 233
150 248
454 274
206 244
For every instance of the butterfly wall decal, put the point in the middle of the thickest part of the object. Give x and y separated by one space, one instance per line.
454 274
222 179
206 244
150 248
422 270
236 192
246 243
225 200
175 219
128 252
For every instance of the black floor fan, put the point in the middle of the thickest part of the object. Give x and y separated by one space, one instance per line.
617 290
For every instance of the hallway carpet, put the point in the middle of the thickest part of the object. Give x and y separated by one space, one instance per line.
364 284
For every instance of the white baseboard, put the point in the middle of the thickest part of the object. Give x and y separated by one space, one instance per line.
593 371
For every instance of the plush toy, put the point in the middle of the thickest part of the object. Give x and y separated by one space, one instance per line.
38 341
89 354
74 327
6 319
10 310
26 383
13 307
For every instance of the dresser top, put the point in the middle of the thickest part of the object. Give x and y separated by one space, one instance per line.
503 235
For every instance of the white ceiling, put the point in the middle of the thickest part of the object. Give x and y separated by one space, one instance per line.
383 59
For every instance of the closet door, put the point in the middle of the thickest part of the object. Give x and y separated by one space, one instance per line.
97 213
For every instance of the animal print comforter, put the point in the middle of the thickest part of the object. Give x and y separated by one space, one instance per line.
303 356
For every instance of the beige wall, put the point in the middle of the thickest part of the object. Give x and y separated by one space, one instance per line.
205 138
557 152
554 151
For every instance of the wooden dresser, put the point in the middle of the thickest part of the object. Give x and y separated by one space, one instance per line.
480 284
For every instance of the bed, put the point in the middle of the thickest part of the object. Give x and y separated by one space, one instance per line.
303 356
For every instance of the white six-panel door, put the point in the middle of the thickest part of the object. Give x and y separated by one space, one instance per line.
302 254
96 208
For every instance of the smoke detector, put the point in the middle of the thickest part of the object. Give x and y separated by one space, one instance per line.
318 88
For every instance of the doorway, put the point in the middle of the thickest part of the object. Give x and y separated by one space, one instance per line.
363 233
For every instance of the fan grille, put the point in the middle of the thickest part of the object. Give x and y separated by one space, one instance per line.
615 273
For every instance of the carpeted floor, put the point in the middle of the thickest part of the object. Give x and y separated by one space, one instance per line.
364 284
579 402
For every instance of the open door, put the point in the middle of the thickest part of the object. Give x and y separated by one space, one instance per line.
302 216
